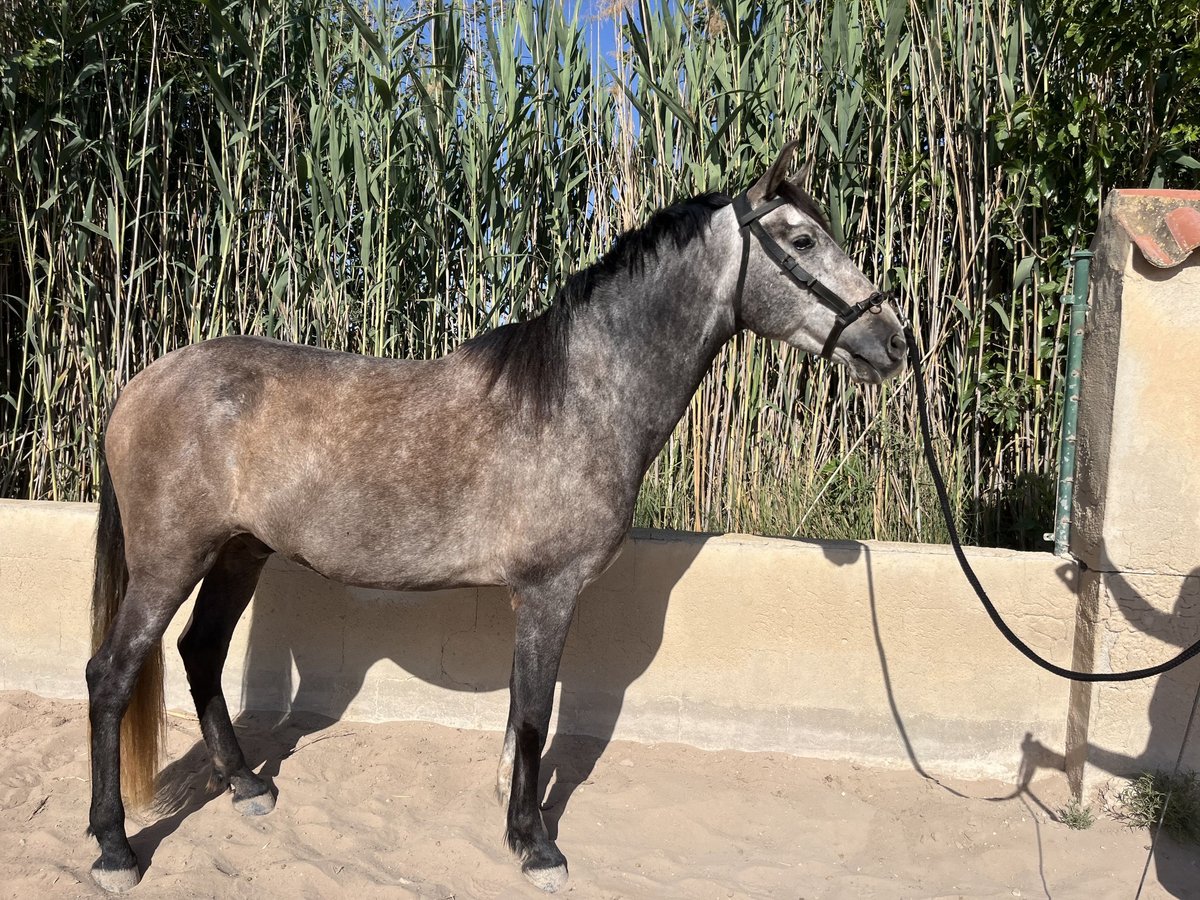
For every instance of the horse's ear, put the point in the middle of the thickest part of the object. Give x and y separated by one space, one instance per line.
767 186
801 180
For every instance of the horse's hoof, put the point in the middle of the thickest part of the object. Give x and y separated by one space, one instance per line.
258 805
549 880
116 881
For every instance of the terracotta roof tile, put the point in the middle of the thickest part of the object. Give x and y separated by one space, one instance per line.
1164 224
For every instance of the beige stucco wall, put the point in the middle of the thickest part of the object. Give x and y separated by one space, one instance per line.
1150 518
876 652
1136 520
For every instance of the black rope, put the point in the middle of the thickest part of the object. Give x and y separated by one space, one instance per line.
914 358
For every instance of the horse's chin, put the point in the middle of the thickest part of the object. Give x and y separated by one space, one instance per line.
868 371
861 369
865 375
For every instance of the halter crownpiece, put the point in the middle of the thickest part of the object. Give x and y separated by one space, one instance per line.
748 222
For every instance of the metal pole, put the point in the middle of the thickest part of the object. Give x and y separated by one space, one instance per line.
1066 452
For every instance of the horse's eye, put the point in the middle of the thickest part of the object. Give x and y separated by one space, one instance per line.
804 242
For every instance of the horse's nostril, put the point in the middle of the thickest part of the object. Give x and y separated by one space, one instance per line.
897 346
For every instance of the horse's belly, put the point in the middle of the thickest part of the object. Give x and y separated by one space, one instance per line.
389 548
396 571
408 556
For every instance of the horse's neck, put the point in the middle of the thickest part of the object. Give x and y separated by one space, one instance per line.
642 345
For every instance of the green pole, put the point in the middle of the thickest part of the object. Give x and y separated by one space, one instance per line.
1070 421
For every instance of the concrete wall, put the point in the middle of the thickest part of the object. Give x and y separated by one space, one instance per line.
1136 520
876 652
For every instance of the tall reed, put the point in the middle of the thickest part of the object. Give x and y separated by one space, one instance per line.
393 178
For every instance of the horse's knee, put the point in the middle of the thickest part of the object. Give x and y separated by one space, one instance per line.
102 695
94 673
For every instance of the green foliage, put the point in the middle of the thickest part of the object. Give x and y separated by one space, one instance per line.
1077 816
393 178
1141 804
1120 82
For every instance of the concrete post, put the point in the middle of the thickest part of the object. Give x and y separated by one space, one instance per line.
1136 514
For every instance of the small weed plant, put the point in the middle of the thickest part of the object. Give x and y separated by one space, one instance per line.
1077 816
1141 803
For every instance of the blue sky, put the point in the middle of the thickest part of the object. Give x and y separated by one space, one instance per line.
599 30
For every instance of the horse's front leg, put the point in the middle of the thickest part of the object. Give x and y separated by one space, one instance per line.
543 618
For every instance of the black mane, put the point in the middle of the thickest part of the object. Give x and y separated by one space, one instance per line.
530 357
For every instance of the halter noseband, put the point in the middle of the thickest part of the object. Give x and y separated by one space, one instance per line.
748 221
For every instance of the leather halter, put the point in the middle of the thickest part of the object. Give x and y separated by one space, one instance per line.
748 222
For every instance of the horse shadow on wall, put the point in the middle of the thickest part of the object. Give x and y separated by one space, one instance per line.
312 642
1177 866
1171 698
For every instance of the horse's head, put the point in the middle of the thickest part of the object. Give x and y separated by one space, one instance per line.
797 285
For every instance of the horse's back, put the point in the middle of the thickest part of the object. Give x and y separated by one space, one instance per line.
241 387
405 474
282 440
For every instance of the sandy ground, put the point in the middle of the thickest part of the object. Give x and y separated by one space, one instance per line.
407 810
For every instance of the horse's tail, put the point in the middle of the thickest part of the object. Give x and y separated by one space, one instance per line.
144 725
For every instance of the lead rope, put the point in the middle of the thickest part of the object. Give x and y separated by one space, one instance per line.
914 358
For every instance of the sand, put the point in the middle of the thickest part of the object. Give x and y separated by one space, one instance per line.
408 810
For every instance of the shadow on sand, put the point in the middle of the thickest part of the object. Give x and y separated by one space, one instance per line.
312 643
1177 866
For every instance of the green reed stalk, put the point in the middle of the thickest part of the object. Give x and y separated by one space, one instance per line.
393 178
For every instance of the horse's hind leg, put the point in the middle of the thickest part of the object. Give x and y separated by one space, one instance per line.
147 607
204 645
543 619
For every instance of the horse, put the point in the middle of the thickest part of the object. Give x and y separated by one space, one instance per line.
514 460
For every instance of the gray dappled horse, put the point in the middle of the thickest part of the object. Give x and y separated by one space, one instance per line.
513 461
